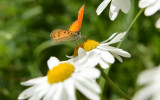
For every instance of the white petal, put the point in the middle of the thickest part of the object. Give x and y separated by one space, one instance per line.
117 38
52 62
41 90
91 60
34 81
81 54
113 15
69 56
89 89
158 23
34 97
118 57
58 93
64 95
108 57
114 10
125 5
27 93
51 92
105 55
120 52
109 38
70 89
152 9
146 92
92 73
156 96
81 58
103 64
89 83
146 3
102 6
146 76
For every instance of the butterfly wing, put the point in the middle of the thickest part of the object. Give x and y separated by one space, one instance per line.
80 16
76 26
68 38
63 35
60 33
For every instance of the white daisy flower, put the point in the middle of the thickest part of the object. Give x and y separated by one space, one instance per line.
151 81
152 6
104 50
116 5
158 23
62 79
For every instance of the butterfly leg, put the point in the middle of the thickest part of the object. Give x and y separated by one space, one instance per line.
76 43
84 38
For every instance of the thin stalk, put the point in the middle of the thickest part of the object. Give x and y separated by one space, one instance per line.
139 13
112 84
102 81
105 72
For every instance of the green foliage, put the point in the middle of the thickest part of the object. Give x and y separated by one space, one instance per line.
25 44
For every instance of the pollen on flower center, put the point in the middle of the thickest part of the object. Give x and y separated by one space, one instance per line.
87 46
60 73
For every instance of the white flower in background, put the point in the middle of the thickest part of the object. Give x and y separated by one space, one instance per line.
152 6
62 80
158 23
116 5
104 50
150 79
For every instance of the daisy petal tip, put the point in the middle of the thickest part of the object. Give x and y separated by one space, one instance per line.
113 14
102 6
23 96
112 18
125 6
81 49
98 12
124 32
148 13
20 97
81 52
22 83
53 61
128 55
69 56
141 4
158 24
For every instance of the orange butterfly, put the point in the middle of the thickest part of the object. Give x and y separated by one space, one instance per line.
73 33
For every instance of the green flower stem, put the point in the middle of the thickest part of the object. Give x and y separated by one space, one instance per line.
112 84
101 84
102 81
105 72
139 13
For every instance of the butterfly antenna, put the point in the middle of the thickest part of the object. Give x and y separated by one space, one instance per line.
84 37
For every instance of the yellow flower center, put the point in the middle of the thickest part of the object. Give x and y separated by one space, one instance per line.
87 46
60 73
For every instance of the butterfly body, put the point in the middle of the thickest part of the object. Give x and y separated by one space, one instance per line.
73 33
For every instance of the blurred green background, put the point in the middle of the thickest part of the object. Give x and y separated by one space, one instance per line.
25 44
